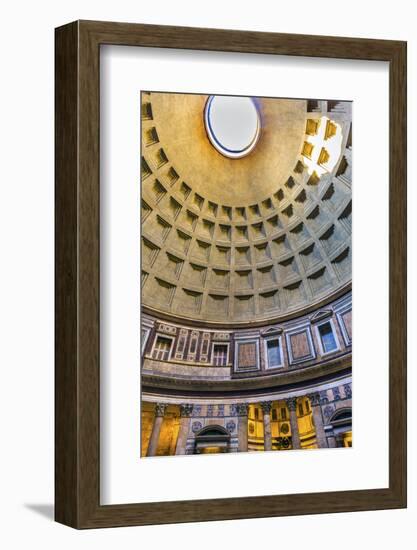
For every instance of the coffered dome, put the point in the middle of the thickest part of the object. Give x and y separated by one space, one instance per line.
236 240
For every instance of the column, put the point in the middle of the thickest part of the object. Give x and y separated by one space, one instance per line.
156 429
318 419
242 427
185 414
332 441
295 434
266 409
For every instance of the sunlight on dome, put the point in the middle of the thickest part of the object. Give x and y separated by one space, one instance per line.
322 151
232 124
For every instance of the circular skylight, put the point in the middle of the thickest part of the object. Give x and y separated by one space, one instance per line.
232 124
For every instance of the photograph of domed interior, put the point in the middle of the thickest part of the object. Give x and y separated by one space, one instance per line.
246 304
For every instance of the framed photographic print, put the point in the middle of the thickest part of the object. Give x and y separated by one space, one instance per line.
230 274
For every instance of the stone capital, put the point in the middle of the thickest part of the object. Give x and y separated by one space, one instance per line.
242 409
160 409
292 403
266 407
314 399
186 409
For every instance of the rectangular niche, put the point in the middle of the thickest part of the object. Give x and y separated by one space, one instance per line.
269 301
149 252
243 280
198 201
313 179
262 252
280 246
145 170
221 255
174 208
299 234
217 304
151 136
220 278
287 269
188 220
258 230
266 276
158 191
162 293
201 250
224 232
144 277
212 208
242 255
342 264
345 218
171 176
254 211
344 316
160 158
347 322
294 294
244 306
334 196
273 224
145 210
195 275
189 301
146 111
205 347
319 281
333 237
182 340
180 241
206 228
246 356
240 213
300 345
172 265
312 126
241 233
185 190
193 345
310 256
160 229
267 205
317 218
226 212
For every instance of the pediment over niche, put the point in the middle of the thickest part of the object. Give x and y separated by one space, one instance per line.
271 331
320 315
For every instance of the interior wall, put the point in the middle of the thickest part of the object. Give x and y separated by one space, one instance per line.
27 221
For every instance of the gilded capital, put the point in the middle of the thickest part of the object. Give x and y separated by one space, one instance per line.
186 409
292 403
314 399
242 409
266 407
160 409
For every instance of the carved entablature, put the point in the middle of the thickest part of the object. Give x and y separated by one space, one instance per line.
320 315
221 336
166 329
272 331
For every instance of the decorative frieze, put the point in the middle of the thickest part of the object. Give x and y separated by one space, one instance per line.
167 329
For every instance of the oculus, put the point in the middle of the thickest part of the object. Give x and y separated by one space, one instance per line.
232 124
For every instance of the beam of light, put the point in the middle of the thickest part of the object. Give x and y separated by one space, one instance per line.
332 148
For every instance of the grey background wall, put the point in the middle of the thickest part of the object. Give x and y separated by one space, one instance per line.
26 289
